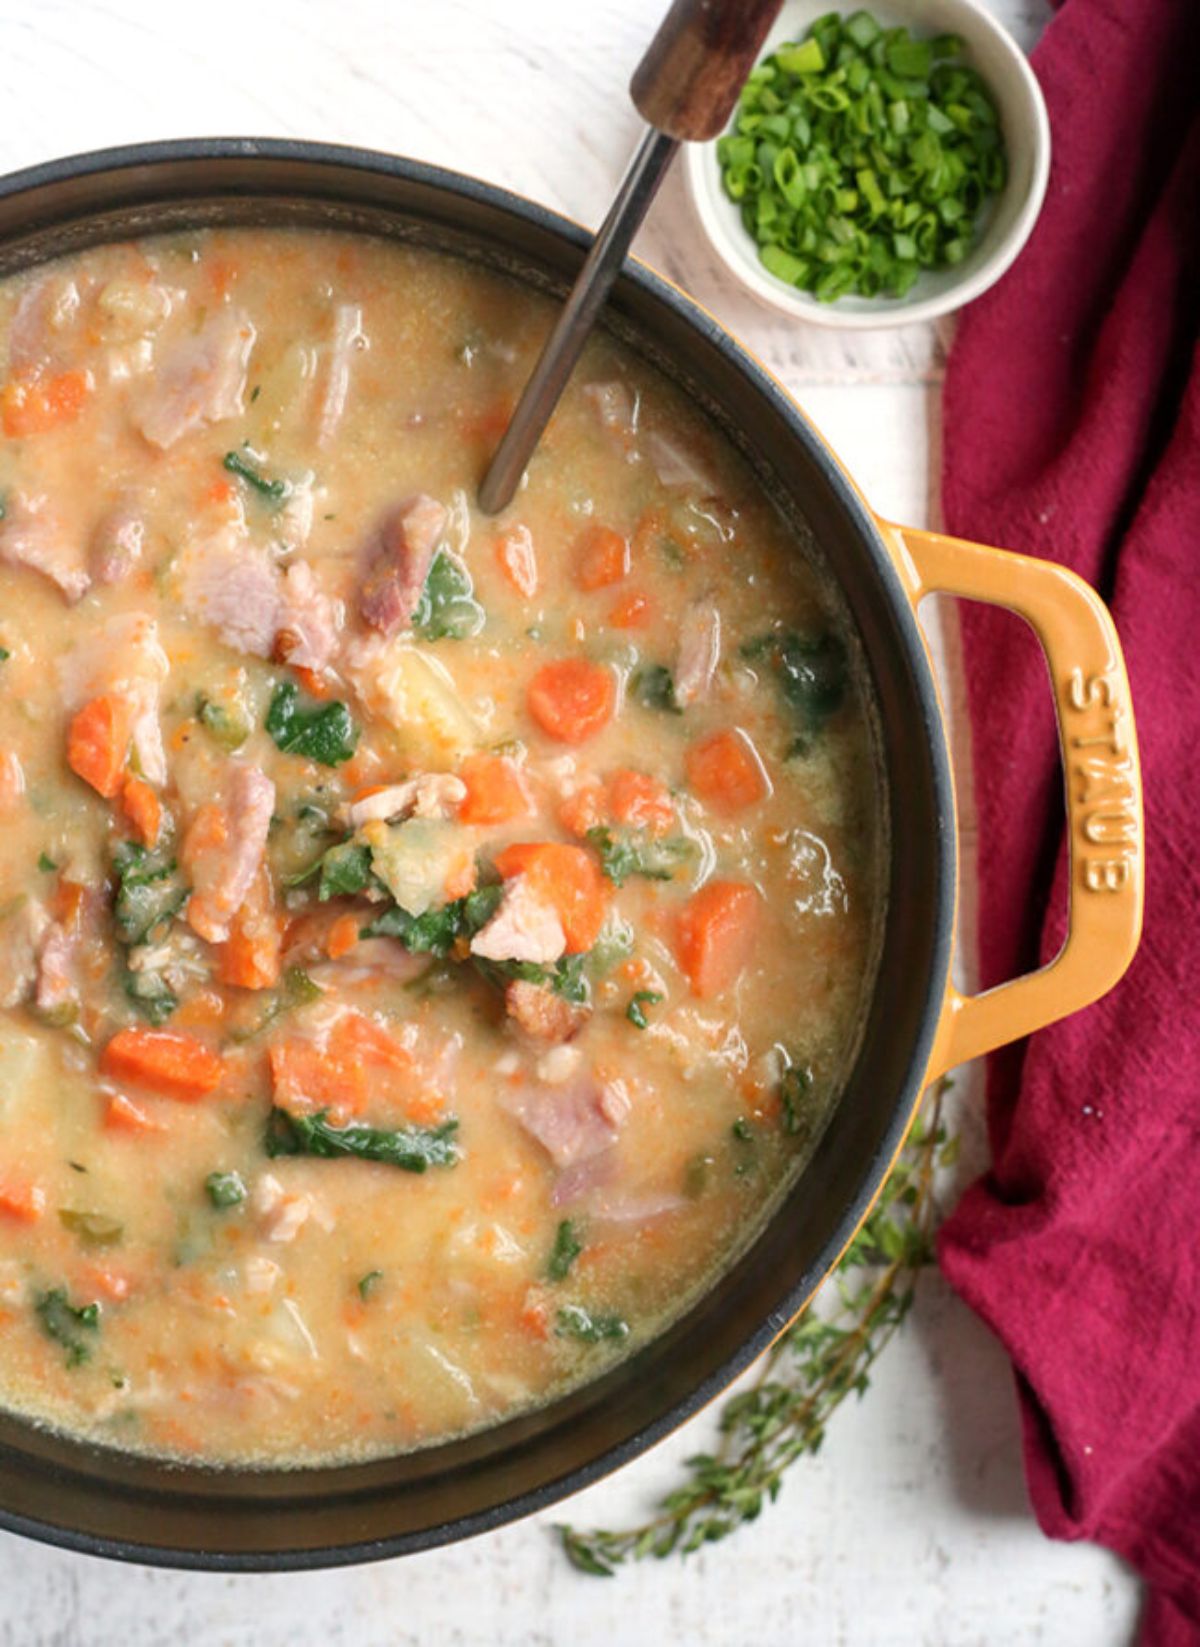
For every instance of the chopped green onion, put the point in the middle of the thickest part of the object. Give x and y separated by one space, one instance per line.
860 156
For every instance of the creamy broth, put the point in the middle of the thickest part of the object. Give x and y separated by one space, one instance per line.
428 944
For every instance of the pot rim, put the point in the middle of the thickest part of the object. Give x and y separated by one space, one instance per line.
941 916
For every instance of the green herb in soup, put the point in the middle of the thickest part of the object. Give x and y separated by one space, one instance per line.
425 956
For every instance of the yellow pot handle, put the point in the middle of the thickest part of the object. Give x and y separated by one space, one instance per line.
1102 778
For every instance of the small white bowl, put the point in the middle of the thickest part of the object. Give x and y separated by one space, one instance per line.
1009 217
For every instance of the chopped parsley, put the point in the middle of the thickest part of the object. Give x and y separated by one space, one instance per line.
67 1324
636 1010
274 491
567 1248
573 1321
368 1283
46 863
794 1087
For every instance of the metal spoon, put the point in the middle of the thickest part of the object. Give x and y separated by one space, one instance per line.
685 87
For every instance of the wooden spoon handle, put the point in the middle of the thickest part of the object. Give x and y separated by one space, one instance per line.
689 79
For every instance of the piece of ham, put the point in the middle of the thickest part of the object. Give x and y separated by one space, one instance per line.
224 849
572 1122
677 467
21 938
308 622
232 586
616 406
42 323
201 380
348 338
33 536
402 553
117 543
57 991
542 1015
524 928
699 652
433 795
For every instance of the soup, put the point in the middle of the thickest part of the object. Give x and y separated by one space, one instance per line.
429 944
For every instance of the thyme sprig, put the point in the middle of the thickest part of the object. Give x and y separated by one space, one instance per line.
809 1371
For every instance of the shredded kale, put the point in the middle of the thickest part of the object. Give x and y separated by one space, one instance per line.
149 893
447 609
298 990
324 733
67 1325
368 1283
794 1087
573 1321
46 863
811 674
345 870
412 1149
438 930
654 688
565 977
634 852
566 1249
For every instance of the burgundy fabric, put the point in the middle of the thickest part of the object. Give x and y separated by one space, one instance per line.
1072 431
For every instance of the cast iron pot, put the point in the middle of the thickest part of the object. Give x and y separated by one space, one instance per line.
109 1503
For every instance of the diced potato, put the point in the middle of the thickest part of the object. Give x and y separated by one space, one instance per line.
22 1068
419 697
416 860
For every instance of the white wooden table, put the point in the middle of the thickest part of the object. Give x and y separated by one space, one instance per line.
912 1526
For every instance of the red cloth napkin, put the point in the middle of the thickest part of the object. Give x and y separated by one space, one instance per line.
1072 431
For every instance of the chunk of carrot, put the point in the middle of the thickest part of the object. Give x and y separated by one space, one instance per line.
632 611
342 937
98 743
586 809
250 957
601 557
572 699
496 791
358 1060
725 771
121 1114
143 809
716 935
517 559
34 405
315 684
640 801
569 878
164 1060
21 1201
